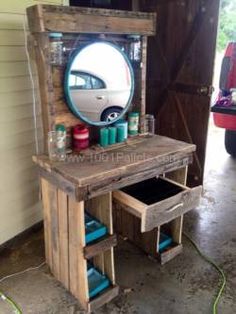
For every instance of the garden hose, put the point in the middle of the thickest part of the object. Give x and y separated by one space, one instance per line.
14 306
220 271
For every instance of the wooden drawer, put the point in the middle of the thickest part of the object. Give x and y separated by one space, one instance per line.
157 201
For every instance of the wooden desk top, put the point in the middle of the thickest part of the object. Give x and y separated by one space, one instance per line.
109 170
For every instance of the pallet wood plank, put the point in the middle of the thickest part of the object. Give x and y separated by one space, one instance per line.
47 219
45 82
54 227
74 19
100 247
109 265
170 254
77 263
179 176
106 297
121 162
121 166
101 208
63 237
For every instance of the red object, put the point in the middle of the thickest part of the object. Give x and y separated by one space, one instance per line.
231 75
225 121
80 137
228 81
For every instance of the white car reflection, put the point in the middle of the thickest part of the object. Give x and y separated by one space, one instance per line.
95 99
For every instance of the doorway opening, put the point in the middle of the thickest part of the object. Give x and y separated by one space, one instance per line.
222 131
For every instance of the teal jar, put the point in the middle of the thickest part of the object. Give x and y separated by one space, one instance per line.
112 135
133 123
123 123
120 134
104 137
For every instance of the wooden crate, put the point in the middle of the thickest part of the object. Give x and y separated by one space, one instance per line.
65 248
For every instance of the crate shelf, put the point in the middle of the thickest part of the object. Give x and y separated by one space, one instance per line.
100 246
164 242
97 282
94 229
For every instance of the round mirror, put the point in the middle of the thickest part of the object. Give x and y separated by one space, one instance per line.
99 84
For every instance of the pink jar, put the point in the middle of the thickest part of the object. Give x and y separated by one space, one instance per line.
80 137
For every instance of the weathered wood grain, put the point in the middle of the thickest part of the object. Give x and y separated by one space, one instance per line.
100 247
85 20
77 263
176 225
65 185
63 237
101 208
122 162
47 222
170 254
161 212
45 83
106 297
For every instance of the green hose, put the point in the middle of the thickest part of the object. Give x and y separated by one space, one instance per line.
14 306
220 271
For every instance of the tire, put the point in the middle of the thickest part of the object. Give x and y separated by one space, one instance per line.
230 142
108 113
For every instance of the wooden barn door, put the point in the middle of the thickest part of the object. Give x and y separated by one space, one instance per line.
180 70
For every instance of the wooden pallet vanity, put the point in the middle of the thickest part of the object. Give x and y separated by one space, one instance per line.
137 189
97 182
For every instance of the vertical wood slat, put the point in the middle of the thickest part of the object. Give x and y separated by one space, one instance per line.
45 81
63 237
78 264
176 225
101 208
47 219
54 230
51 227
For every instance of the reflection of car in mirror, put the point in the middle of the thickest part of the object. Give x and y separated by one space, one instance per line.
99 83
95 98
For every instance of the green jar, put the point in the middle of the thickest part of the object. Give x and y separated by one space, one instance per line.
120 134
112 135
104 137
133 123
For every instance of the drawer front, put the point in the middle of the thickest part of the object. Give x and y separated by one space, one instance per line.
165 211
162 212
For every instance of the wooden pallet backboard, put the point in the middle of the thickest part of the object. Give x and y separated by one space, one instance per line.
44 19
51 18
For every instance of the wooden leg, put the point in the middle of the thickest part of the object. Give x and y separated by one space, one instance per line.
47 220
179 176
51 228
63 237
78 263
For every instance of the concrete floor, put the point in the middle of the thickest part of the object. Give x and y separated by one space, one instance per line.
185 285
